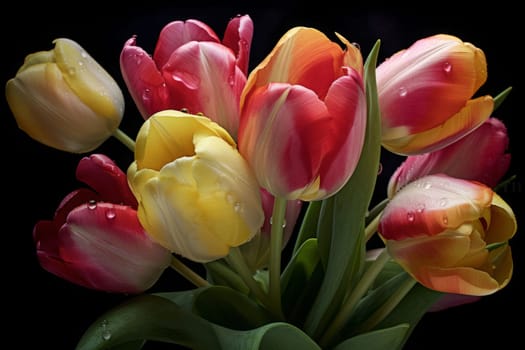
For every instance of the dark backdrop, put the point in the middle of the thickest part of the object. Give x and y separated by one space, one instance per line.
50 313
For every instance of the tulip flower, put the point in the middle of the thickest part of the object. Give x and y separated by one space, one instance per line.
64 99
95 239
256 252
425 94
450 234
479 156
191 69
303 116
197 195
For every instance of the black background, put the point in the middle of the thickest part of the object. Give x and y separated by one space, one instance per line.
42 310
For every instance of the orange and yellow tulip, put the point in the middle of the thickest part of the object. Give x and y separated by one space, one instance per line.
450 234
425 94
303 116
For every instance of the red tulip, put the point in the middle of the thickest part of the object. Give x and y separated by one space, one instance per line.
303 116
425 94
191 69
95 239
479 156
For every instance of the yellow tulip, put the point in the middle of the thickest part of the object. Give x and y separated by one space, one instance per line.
64 99
197 195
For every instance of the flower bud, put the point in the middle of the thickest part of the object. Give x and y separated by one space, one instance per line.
64 99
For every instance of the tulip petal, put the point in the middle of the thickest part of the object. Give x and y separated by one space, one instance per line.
432 205
177 33
40 98
89 81
109 241
473 115
482 155
238 37
428 82
503 223
144 80
207 81
106 178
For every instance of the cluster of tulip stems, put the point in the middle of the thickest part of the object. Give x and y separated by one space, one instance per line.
232 165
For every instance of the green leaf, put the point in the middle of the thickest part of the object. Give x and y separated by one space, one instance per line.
268 337
498 100
391 338
412 308
308 227
341 222
219 273
229 308
297 275
148 317
372 301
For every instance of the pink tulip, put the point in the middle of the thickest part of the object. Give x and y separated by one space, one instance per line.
450 234
303 116
479 156
425 94
191 69
95 239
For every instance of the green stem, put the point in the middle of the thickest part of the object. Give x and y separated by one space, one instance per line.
237 262
371 228
276 243
376 210
125 139
352 300
390 304
188 273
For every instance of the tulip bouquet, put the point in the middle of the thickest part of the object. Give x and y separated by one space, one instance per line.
264 178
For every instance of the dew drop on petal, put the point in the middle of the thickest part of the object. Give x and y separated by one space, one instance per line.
402 91
110 214
410 216
92 204
447 67
445 219
106 334
443 202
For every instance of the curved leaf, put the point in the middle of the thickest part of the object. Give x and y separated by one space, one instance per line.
383 339
229 308
297 276
268 337
148 317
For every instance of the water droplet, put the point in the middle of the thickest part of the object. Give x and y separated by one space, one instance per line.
356 45
284 224
427 185
80 63
410 216
402 91
83 54
110 214
92 204
237 207
445 219
106 335
447 67
71 71
443 201
231 80
420 207
146 95
184 110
